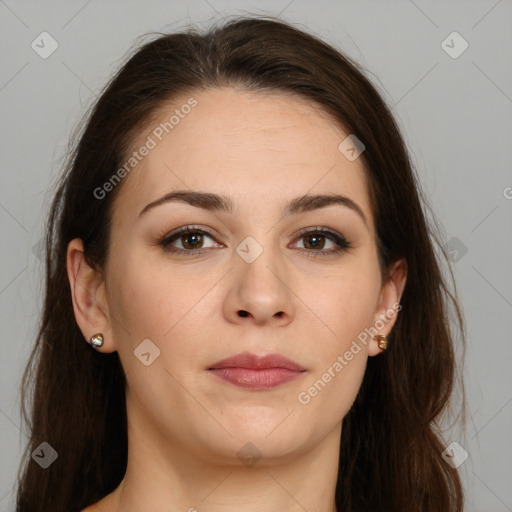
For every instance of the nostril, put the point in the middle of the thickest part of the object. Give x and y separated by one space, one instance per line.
243 313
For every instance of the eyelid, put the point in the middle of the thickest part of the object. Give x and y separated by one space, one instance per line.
319 229
187 228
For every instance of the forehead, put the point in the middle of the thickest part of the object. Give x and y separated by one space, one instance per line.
251 146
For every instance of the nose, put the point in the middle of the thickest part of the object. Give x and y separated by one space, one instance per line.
259 292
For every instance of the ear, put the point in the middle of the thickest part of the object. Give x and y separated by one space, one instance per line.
89 297
389 302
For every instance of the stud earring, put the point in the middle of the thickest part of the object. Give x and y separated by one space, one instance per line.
382 341
96 341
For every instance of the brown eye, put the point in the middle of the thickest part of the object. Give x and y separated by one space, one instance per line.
314 241
187 240
192 240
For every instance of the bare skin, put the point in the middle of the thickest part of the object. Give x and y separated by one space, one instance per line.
188 429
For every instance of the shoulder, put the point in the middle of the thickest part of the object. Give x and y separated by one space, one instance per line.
94 508
108 503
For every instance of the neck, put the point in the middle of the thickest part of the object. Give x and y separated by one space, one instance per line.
162 477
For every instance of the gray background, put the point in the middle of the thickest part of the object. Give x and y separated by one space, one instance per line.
455 114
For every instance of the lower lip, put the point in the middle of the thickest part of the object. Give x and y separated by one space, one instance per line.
256 379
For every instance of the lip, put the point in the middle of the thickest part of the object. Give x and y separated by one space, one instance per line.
251 371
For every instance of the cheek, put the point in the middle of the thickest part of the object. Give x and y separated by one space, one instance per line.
169 308
327 396
155 312
150 301
345 302
341 357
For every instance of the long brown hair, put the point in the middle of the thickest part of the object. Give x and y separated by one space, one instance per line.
74 398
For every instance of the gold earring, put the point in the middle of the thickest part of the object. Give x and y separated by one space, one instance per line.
381 340
96 341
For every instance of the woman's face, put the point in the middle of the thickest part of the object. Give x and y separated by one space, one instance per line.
253 275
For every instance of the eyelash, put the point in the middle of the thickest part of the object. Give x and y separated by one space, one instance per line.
340 240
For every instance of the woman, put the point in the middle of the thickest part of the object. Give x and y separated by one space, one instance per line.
244 309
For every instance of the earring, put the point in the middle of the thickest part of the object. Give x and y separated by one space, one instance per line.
381 340
96 341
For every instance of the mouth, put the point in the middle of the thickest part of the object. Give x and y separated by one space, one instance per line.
250 371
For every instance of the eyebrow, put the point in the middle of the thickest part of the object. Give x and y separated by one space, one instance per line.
221 203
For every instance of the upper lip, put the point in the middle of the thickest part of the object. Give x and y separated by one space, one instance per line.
255 362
